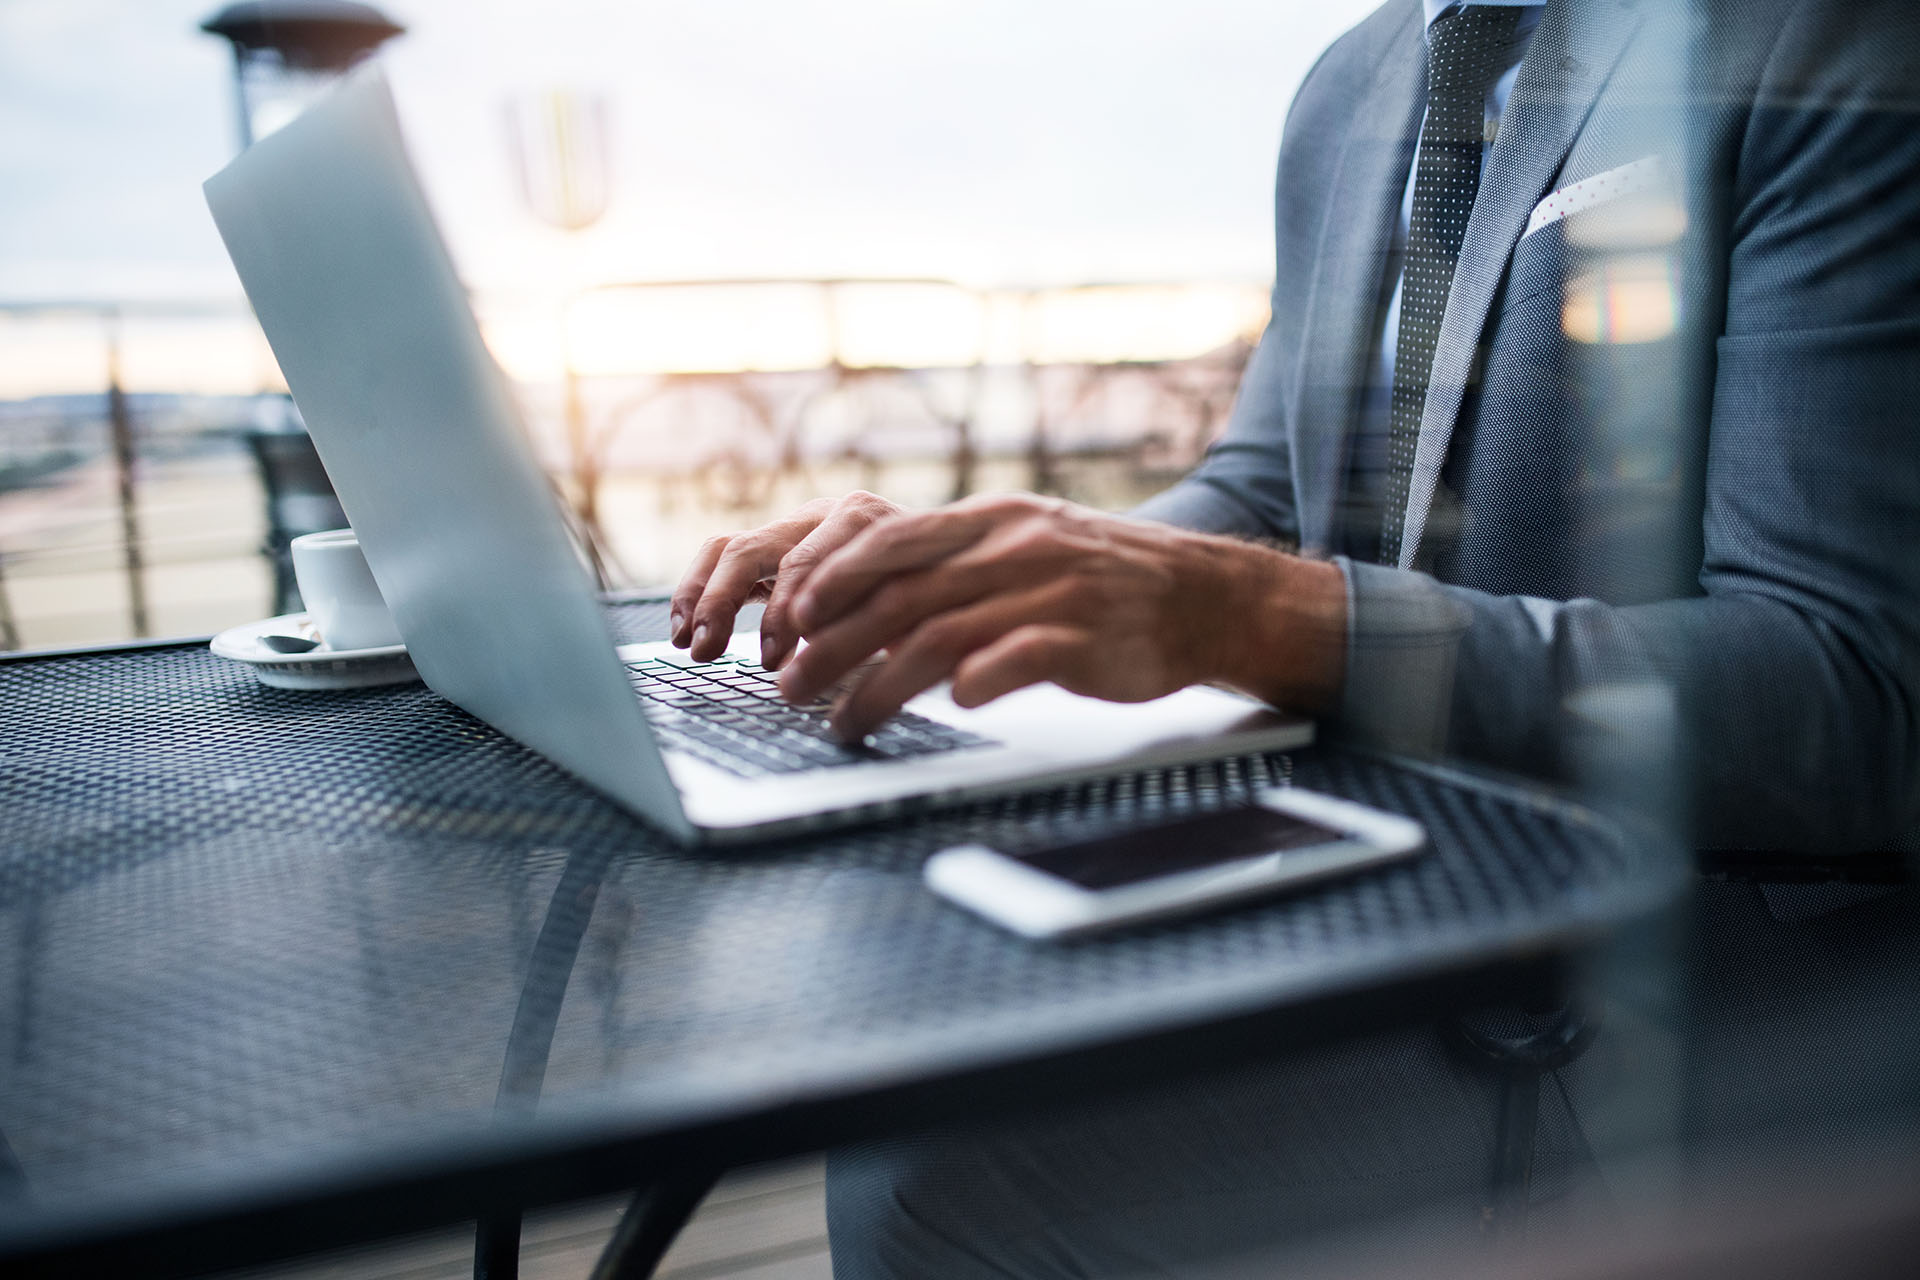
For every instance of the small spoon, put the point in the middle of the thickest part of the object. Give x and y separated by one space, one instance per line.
289 644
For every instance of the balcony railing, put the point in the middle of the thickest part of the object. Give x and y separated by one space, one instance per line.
136 498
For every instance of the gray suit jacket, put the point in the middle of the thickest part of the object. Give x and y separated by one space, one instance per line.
1722 524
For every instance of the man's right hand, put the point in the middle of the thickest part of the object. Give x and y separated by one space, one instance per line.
769 563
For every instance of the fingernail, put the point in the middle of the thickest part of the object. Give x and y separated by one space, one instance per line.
699 635
675 625
768 651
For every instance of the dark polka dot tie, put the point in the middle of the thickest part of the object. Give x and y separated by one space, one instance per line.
1467 50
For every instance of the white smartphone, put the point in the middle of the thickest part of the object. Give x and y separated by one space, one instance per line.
1285 837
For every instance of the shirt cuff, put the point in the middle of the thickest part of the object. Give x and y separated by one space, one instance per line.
1403 641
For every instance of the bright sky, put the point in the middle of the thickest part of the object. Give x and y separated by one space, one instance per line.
991 141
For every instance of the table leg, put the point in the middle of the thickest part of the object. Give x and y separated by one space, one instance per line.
496 1241
496 1248
650 1224
1523 1062
1511 1193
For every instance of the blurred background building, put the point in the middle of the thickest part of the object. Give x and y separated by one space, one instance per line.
732 255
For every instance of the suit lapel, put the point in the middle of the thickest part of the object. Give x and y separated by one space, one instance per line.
1343 306
1572 53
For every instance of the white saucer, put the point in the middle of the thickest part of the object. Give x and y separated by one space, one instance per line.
321 668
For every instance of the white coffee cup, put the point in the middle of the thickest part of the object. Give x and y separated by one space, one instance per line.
340 593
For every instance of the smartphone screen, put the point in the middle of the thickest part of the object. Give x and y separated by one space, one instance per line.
1186 844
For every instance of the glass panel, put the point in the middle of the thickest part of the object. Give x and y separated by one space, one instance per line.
1541 430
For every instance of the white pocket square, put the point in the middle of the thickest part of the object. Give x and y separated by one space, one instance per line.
1601 188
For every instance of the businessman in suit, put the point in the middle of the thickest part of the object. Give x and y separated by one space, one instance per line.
1590 384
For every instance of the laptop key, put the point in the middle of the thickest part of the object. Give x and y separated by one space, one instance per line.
730 714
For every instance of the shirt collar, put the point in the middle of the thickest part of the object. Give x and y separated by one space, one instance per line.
1437 7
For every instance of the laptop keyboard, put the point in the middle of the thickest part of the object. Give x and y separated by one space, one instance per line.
730 713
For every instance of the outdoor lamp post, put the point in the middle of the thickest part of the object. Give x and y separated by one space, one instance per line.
286 51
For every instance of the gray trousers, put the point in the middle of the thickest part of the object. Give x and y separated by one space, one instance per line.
1217 1165
1768 1022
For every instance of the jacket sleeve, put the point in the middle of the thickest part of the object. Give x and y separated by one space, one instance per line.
1795 672
1245 484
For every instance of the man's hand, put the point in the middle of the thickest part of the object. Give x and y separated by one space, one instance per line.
769 563
997 593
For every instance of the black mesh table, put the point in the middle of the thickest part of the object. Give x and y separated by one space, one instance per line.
282 971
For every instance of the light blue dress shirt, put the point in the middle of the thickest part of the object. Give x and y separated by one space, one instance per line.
1368 456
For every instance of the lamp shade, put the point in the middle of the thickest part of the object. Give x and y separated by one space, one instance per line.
311 35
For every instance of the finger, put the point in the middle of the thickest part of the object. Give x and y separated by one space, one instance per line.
1027 655
931 653
747 560
896 545
692 584
778 635
896 608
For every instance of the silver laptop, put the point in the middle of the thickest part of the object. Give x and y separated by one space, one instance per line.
419 430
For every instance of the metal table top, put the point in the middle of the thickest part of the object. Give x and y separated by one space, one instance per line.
282 970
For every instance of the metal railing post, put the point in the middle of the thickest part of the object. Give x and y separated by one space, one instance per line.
9 632
120 423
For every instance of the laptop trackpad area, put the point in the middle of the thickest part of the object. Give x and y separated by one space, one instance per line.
1052 724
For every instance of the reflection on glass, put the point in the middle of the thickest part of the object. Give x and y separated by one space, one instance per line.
1626 299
